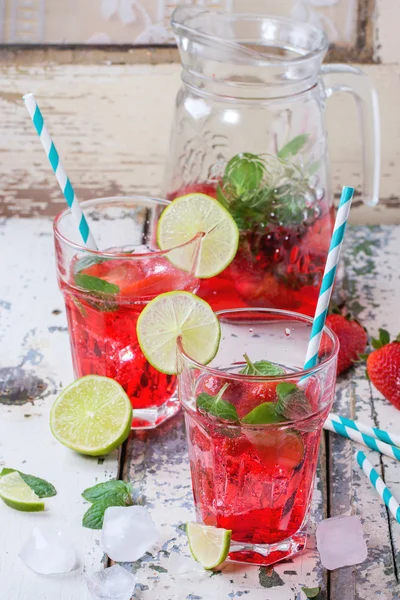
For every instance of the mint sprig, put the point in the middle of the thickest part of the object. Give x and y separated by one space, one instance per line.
41 487
262 189
102 496
261 367
216 406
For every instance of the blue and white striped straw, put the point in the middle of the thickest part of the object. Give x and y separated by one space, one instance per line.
59 171
384 436
379 485
329 277
362 438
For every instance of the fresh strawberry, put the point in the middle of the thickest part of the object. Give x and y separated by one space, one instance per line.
352 337
383 367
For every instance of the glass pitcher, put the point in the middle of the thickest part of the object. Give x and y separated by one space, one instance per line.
250 131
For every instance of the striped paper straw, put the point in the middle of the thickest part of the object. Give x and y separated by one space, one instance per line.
379 434
379 485
59 171
329 277
362 438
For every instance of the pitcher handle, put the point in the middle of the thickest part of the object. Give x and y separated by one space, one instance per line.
356 82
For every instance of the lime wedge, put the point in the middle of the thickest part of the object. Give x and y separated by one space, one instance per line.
208 545
93 415
175 314
17 494
197 213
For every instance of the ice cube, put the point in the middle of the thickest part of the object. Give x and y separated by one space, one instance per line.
128 532
114 583
340 542
182 565
47 552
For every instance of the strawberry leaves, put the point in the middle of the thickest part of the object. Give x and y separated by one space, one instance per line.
384 338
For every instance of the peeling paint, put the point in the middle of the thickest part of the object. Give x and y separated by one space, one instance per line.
18 386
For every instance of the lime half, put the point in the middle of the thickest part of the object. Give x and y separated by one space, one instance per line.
208 545
189 215
173 315
93 415
17 494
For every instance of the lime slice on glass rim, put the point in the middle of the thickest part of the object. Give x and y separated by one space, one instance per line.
186 217
208 545
93 415
170 316
17 494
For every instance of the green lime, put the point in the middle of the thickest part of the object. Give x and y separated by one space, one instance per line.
208 545
189 215
17 494
173 315
93 415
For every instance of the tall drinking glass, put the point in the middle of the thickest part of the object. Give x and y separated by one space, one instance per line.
257 479
106 290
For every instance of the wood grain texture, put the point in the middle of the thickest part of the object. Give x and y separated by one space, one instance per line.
372 288
111 124
158 466
34 365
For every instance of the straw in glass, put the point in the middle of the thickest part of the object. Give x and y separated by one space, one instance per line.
379 485
379 434
329 277
362 438
59 171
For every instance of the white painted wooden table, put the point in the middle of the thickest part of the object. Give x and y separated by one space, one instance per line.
35 363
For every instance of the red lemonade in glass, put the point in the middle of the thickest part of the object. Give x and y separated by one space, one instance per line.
254 440
105 292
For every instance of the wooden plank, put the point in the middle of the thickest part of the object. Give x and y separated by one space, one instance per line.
34 364
111 124
371 287
157 464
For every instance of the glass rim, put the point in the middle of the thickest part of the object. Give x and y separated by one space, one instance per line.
181 24
103 253
264 378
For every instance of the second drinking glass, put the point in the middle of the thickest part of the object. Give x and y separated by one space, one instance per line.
106 290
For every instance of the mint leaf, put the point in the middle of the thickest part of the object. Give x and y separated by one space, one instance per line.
216 406
292 402
293 147
94 516
244 173
311 592
114 487
263 414
261 367
95 284
41 487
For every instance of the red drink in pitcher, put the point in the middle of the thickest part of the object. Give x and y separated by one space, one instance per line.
284 237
